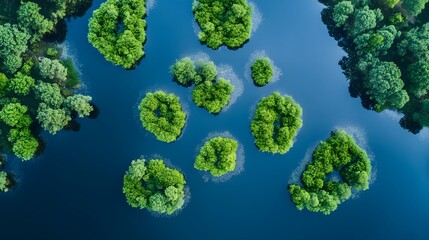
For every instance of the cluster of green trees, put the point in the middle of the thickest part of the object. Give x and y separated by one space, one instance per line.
154 186
387 42
223 22
276 122
5 179
117 30
218 156
35 89
338 153
262 71
162 115
211 92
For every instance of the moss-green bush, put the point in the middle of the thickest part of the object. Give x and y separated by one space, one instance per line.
162 115
154 186
338 153
218 156
210 92
117 30
223 22
276 123
262 71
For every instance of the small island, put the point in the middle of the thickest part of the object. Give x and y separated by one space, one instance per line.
262 71
162 115
5 182
218 156
118 31
153 185
223 22
320 193
211 92
276 123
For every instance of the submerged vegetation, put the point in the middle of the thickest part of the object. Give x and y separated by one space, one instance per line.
34 83
218 156
162 115
262 71
211 92
117 30
320 193
387 43
152 185
276 123
223 22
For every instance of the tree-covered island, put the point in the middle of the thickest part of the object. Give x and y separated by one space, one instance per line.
117 30
211 92
38 87
223 22
153 185
218 156
338 153
262 71
276 123
162 115
387 46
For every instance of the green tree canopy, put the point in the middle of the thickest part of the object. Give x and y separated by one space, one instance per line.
49 93
13 43
276 123
213 96
262 71
21 84
52 120
30 19
80 104
117 30
162 115
154 186
322 194
52 69
218 155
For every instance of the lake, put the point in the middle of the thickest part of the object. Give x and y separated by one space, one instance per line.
74 190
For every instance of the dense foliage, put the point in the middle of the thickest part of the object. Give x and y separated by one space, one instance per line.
218 155
162 115
34 80
276 123
4 181
262 71
387 42
117 30
154 186
223 22
320 193
211 92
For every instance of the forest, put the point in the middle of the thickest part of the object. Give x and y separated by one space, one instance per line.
387 46
38 87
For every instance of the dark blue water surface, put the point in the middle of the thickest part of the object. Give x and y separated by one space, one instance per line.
74 191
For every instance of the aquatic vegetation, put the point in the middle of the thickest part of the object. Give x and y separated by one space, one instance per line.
211 92
338 153
4 181
153 185
223 22
276 123
387 47
218 156
117 30
262 71
162 115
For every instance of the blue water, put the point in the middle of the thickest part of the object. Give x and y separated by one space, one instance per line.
74 191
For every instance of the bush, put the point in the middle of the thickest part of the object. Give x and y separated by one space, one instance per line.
162 115
338 153
262 71
218 155
276 123
117 30
154 186
223 22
